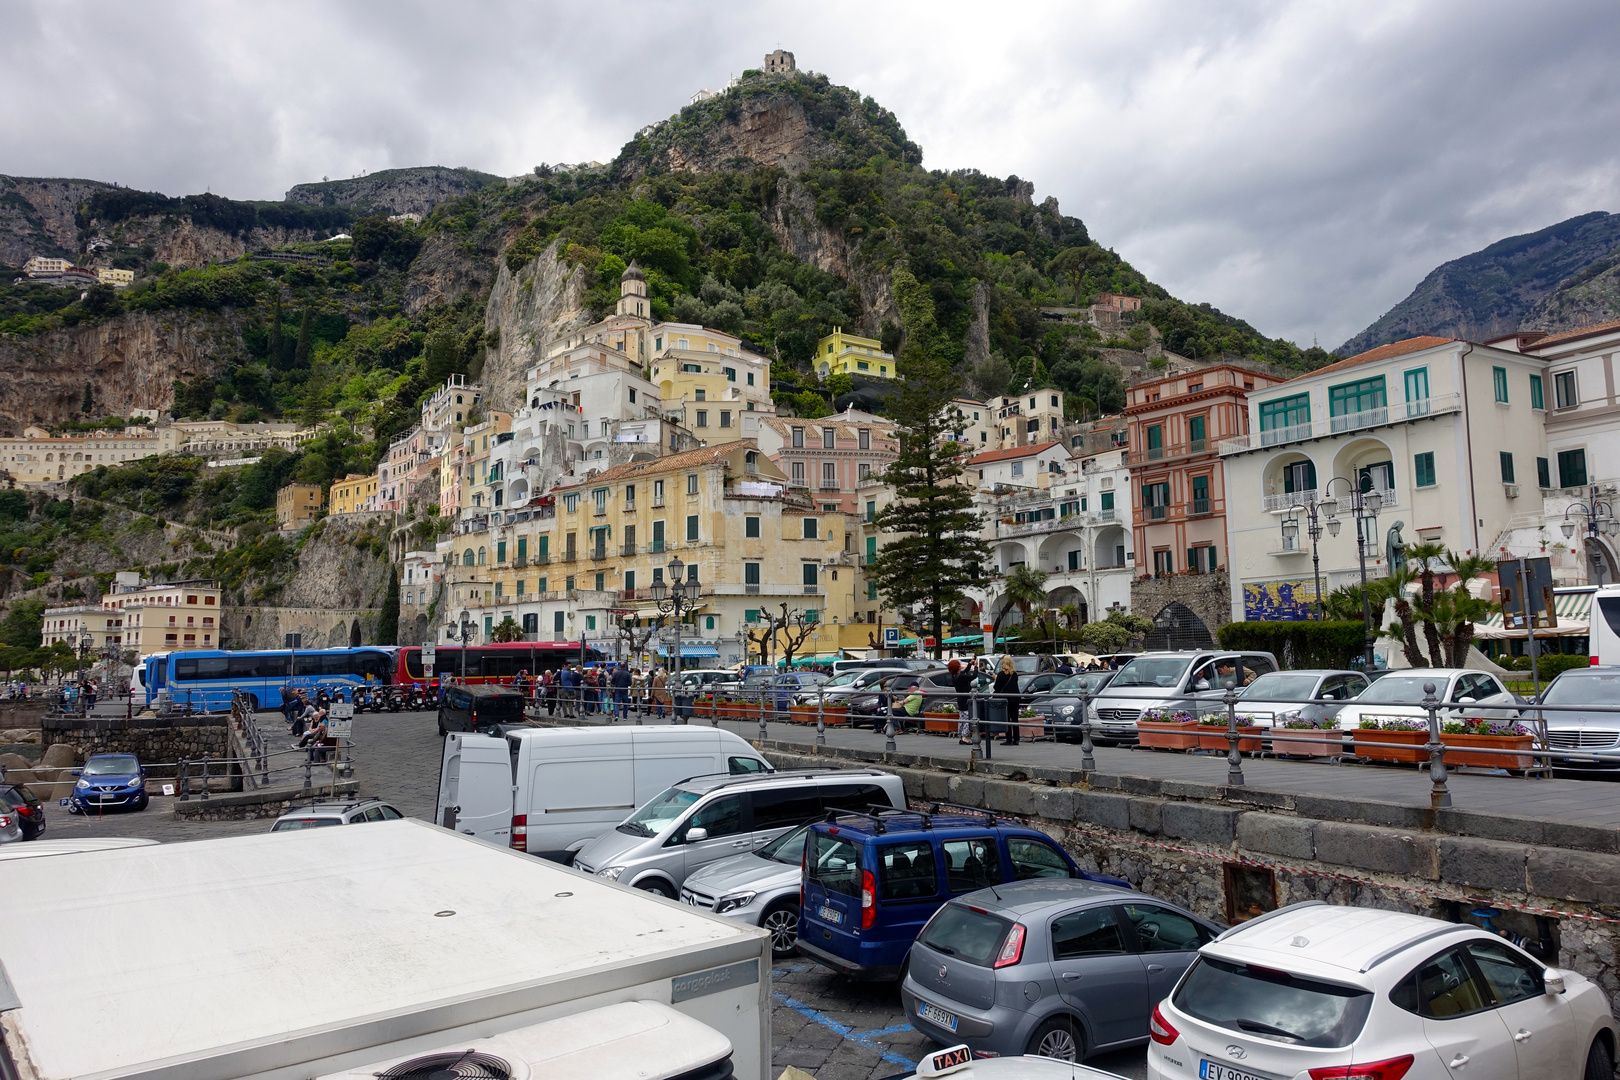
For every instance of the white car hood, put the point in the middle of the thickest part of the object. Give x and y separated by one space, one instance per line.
742 873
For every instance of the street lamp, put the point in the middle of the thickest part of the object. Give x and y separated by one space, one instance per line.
675 598
1313 529
465 632
1600 521
1364 507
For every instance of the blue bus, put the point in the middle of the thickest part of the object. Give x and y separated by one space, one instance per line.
204 679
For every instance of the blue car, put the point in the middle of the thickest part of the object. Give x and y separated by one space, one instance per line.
108 780
871 881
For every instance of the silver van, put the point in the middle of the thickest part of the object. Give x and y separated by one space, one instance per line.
1190 682
712 817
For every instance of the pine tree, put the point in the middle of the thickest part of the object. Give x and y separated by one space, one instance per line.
388 620
935 552
87 404
301 351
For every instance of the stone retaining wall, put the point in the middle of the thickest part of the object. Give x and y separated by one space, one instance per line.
251 805
154 740
1220 850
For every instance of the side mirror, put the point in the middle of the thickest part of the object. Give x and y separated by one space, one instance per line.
696 834
1465 701
76 772
1552 981
1201 684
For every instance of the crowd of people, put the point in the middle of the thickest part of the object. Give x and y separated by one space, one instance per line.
577 690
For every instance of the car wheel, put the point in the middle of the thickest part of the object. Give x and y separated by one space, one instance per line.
657 888
253 702
143 801
782 921
1058 1037
1599 1062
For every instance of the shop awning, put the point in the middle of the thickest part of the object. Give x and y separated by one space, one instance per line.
1574 610
810 659
964 639
692 650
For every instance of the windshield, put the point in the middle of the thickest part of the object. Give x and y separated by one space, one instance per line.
290 824
663 811
1584 689
845 679
787 848
1161 671
1403 689
1281 687
116 765
1077 683
867 678
1272 1004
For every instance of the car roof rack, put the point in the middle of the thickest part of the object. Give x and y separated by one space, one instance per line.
1249 924
743 778
876 818
970 811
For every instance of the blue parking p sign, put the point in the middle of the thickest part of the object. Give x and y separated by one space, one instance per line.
891 636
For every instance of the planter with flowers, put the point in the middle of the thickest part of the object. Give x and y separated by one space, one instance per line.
1164 729
831 715
703 705
1299 737
1482 734
1413 733
1031 724
944 719
1212 729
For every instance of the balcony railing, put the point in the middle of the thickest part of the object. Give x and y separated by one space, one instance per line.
571 555
627 550
1200 507
655 548
1157 513
1382 416
1166 453
1283 501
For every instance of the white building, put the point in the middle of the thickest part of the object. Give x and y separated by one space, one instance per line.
1448 433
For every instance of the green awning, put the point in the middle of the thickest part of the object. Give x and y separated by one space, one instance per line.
964 639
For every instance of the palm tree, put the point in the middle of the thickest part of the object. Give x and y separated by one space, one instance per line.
1466 609
1025 587
1071 614
1425 556
1394 588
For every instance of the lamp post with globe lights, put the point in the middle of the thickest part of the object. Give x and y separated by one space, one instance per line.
675 598
1599 521
1364 507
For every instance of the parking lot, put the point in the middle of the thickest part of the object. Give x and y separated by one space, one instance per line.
825 1024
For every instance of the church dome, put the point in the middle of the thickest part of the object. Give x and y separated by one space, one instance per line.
632 273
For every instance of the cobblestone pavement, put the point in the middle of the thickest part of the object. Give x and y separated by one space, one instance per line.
825 1024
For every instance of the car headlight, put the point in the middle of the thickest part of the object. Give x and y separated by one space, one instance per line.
610 872
82 785
1091 712
733 902
138 782
1067 710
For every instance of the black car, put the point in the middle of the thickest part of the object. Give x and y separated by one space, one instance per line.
30 811
1060 706
480 708
891 691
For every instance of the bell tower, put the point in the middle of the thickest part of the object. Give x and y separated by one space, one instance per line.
633 292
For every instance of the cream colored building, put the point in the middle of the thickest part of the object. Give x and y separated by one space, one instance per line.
40 457
118 279
354 494
1031 417
40 264
223 439
70 623
1448 433
710 382
297 505
165 616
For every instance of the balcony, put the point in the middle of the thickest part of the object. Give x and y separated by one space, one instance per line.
627 550
655 548
1166 453
732 589
1284 501
1383 416
1200 508
571 555
1156 513
1045 525
1284 547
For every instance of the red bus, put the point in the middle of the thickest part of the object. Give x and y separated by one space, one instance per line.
495 663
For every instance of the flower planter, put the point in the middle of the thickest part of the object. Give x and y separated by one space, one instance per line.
1031 727
1415 739
1494 742
1166 736
703 708
806 714
1214 738
943 723
1307 742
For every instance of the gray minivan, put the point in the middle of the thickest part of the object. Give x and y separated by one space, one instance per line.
706 818
1191 682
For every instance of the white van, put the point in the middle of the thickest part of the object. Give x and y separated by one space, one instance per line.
1604 642
549 791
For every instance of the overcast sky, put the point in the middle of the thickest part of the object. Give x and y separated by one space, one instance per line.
1301 165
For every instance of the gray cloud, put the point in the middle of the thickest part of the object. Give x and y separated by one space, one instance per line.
1301 165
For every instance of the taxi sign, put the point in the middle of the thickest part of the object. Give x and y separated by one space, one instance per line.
952 1059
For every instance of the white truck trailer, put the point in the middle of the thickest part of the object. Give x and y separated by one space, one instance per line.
358 951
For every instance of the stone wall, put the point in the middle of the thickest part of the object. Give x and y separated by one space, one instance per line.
156 741
1208 596
253 805
1228 853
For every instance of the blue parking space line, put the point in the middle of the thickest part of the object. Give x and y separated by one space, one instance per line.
844 1031
893 1029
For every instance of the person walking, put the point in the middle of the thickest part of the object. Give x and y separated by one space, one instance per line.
621 691
1006 688
962 683
660 694
567 689
548 688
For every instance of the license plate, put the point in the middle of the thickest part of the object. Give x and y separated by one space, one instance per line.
936 1015
831 914
1210 1070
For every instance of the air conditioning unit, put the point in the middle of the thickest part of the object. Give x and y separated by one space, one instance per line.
1511 490
634 1040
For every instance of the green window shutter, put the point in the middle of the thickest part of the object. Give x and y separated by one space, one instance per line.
751 527
499 590
520 584
557 622
871 547
1537 399
1423 470
1107 502
1195 429
1543 473
500 551
601 582
541 587
871 590
523 549
1499 380
691 527
1506 459
1572 468
751 615
810 575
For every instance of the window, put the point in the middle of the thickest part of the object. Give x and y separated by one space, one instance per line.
1564 393
1285 412
751 526
1499 381
1035 858
971 863
1163 563
810 577
1572 468
1537 400
1200 494
751 574
725 417
691 483
1156 497
722 817
1074 561
692 530
809 528
520 586
1543 473
570 503
599 496
731 374
557 622
500 551
658 493
1105 501
863 470
1423 469
1155 441
829 475
703 418
798 438
1162 930
871 548
785 807
864 439
701 394
750 378
1089 932
797 472
1195 433
1299 476
906 871
1506 460
828 437
1510 976
1349 399
498 589
1441 988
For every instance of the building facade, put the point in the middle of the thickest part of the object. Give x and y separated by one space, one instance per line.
827 459
841 353
354 494
39 457
164 616
297 505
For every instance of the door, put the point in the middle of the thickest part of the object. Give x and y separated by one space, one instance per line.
1540 1024
1168 942
475 788
725 828
1098 976
1470 1042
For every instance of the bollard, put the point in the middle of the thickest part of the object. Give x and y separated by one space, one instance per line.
204 777
308 787
1088 761
762 728
821 720
888 733
1439 794
1234 757
184 779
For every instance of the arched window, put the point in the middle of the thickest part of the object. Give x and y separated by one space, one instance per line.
467 557
481 554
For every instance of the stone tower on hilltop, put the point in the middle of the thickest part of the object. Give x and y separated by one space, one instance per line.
633 292
780 62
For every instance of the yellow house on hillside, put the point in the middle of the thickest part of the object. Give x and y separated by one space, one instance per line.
354 494
849 354
710 381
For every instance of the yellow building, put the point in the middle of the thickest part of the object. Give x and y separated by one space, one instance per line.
709 381
71 623
167 616
594 555
297 505
849 354
118 279
354 494
479 490
40 457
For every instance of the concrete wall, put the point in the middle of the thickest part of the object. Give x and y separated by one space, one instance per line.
1209 847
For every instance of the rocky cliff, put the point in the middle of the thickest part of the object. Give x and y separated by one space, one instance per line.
443 273
801 233
542 300
130 361
37 217
394 191
1502 287
181 243
1591 296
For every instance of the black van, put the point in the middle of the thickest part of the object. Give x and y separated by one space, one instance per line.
479 708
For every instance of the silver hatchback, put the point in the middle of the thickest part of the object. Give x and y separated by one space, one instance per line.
1049 966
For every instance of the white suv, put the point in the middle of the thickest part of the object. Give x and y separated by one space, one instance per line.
1314 992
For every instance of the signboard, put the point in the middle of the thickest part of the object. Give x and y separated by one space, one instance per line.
1279 601
294 641
1527 593
340 719
429 652
928 643
891 637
